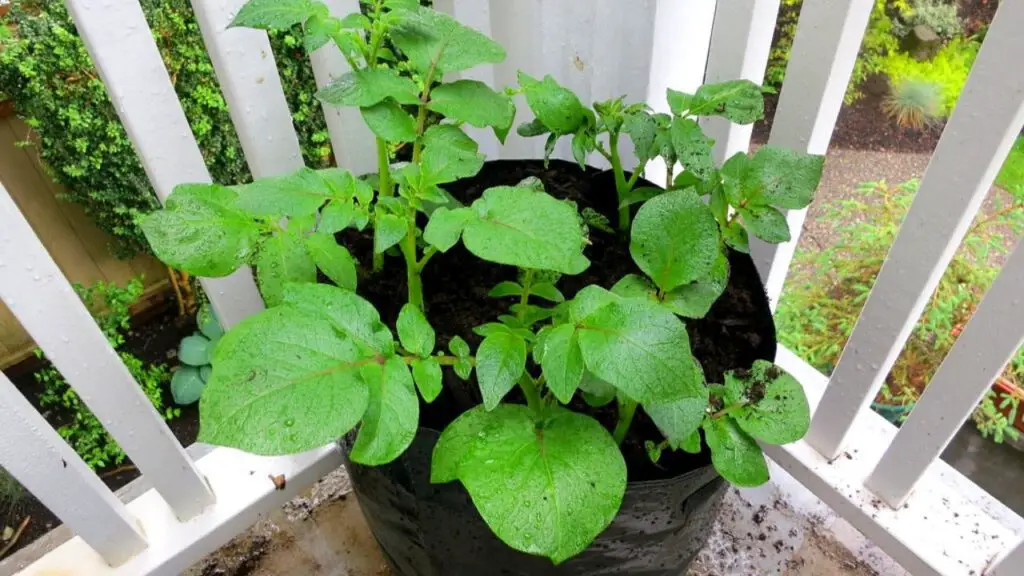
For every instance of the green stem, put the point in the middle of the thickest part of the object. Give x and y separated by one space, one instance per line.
627 409
421 115
385 188
412 269
532 393
729 409
427 255
524 298
622 187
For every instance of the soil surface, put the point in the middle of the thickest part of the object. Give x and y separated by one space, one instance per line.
155 340
737 331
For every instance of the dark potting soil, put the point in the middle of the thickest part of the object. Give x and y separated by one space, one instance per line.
456 284
154 338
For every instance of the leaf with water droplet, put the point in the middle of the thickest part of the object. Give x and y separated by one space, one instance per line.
568 473
674 239
392 414
735 455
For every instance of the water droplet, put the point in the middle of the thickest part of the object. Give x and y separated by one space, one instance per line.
289 422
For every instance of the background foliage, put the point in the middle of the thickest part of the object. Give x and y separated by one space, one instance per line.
948 69
817 315
110 306
46 71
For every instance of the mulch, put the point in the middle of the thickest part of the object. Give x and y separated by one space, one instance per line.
154 339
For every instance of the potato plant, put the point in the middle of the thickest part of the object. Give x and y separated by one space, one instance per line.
319 362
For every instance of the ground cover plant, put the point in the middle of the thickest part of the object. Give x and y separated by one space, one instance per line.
320 363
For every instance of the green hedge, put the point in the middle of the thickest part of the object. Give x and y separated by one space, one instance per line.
46 71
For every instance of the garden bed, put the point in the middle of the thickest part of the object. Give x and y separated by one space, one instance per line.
154 339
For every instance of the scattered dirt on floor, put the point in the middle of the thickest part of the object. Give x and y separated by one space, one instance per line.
823 556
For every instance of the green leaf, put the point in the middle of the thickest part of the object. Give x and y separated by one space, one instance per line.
195 350
596 392
692 147
473 102
187 385
786 178
414 331
736 456
431 39
445 227
642 130
209 326
691 443
319 30
547 291
678 102
674 239
449 154
297 194
333 260
388 121
426 372
274 14
199 231
392 414
678 420
589 300
568 474
738 100
641 349
556 107
348 313
582 145
634 286
458 347
562 362
463 368
283 258
735 236
388 230
506 289
532 128
777 412
653 451
766 223
369 86
694 300
500 361
526 228
284 381
336 216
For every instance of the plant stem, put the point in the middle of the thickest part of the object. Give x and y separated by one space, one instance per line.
729 409
412 269
524 298
622 187
668 175
627 409
532 393
385 188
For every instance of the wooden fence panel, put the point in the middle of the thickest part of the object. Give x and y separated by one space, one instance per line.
81 250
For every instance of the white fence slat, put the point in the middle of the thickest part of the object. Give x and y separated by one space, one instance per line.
247 74
988 342
987 120
41 461
121 45
514 26
679 54
477 15
828 37
740 43
354 144
41 298
1009 565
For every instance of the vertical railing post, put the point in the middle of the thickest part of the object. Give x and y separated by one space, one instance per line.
974 144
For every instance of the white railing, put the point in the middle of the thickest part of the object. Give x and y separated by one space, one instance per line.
937 522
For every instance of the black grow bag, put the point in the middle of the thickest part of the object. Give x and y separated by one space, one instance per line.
429 529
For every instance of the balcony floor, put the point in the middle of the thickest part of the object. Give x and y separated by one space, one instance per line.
758 532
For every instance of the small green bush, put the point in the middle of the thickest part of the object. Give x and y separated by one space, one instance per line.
914 103
948 69
1011 176
816 314
941 16
110 306
879 41
46 70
